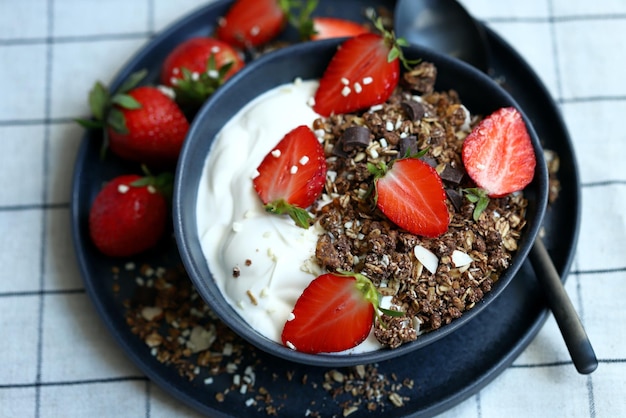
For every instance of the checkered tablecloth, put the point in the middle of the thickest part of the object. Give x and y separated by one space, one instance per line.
58 360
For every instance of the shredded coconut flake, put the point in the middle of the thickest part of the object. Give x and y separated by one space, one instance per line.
304 160
276 153
367 80
345 91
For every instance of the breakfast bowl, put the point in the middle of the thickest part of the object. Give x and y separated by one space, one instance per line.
251 267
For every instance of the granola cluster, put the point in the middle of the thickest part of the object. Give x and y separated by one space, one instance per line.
358 237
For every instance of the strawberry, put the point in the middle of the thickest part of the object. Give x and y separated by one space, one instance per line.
198 66
411 195
292 175
363 72
335 312
498 154
250 23
332 27
140 123
129 215
154 132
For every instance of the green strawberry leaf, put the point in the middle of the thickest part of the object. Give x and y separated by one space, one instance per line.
132 81
301 217
116 121
163 182
98 100
479 197
89 123
125 101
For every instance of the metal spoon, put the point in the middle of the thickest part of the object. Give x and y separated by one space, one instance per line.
446 26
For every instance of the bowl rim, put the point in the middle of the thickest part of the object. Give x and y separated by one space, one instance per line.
185 230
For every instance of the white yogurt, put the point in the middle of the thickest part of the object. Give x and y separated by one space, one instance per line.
273 255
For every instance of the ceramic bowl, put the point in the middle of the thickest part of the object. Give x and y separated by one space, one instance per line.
480 95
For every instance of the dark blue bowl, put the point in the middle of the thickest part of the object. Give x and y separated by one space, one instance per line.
480 95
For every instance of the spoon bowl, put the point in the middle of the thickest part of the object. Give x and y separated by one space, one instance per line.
444 26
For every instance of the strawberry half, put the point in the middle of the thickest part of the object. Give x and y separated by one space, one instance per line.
250 23
292 175
363 72
411 195
197 67
334 313
498 154
129 214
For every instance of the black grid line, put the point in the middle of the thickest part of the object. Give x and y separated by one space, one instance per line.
45 170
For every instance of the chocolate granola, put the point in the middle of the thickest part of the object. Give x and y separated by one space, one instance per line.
358 237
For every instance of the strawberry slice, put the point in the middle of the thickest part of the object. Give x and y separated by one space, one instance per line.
333 27
411 195
250 23
292 175
498 154
334 313
363 72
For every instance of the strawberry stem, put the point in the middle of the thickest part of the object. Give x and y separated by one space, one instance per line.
395 44
371 294
163 183
101 104
301 217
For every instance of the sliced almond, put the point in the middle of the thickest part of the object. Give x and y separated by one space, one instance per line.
461 259
427 258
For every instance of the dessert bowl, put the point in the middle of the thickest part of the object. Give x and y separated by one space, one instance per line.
307 61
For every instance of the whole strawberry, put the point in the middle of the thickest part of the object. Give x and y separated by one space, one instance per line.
129 215
250 23
140 124
197 67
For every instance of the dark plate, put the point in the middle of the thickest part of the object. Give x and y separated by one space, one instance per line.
444 373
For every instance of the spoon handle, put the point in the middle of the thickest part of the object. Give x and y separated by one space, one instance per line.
573 332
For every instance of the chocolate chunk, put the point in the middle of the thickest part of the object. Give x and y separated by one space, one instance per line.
338 149
430 161
451 174
355 137
407 146
414 110
456 198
